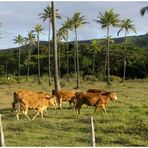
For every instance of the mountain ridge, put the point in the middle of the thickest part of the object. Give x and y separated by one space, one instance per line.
139 40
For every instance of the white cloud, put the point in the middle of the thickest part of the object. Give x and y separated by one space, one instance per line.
20 17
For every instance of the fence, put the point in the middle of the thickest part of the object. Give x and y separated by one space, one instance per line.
2 142
92 132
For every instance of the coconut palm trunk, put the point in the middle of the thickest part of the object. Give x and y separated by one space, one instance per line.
56 78
108 62
49 62
19 64
59 58
67 57
77 60
75 56
39 75
125 57
105 65
94 56
28 67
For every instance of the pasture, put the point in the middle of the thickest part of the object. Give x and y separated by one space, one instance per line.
125 125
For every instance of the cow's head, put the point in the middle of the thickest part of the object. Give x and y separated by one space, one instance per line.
112 95
53 101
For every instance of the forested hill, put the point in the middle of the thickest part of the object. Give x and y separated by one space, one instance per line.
140 41
137 58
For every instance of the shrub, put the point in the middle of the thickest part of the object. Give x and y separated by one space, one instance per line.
115 78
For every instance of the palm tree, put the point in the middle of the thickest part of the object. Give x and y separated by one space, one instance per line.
94 47
107 20
56 78
67 26
47 15
61 35
31 41
126 25
143 10
19 40
111 41
38 29
78 21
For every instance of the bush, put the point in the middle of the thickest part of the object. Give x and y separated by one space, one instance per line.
115 78
90 78
8 80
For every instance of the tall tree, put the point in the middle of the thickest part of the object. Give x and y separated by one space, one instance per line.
111 41
31 41
47 15
67 26
107 20
38 29
94 47
143 10
126 26
19 40
78 21
61 35
56 78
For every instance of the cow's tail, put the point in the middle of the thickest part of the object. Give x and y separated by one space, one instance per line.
14 103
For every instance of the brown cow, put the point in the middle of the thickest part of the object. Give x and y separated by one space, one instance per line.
63 95
96 91
93 99
32 100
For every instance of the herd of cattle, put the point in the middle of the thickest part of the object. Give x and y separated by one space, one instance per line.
25 100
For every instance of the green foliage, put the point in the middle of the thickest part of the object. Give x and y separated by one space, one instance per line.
9 80
137 62
115 78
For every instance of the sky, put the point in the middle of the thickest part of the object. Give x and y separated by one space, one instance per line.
20 17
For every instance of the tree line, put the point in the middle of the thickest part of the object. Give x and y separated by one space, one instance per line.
99 58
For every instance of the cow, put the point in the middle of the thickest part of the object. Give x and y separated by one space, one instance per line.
64 95
93 99
26 100
96 91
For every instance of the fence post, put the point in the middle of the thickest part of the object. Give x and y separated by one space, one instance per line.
2 142
92 132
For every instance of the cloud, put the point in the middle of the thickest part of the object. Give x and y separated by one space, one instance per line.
20 17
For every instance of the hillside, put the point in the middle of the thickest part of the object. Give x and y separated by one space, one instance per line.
140 41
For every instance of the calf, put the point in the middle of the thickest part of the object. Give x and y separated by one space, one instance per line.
64 95
93 99
32 100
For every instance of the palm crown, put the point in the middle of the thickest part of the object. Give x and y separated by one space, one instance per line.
38 28
47 14
30 39
94 46
18 40
78 20
126 25
143 10
108 18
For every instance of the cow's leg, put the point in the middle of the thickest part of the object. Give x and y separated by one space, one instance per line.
77 109
42 115
103 107
17 115
95 109
60 103
26 113
18 110
36 115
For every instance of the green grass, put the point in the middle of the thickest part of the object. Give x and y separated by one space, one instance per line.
125 125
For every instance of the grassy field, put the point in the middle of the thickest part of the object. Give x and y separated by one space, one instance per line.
125 125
